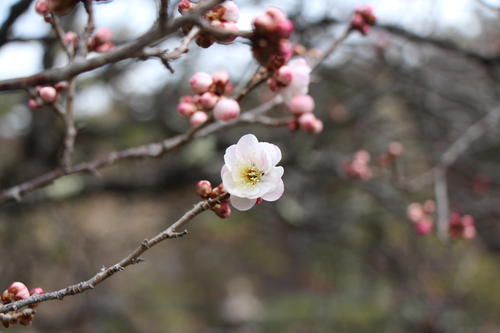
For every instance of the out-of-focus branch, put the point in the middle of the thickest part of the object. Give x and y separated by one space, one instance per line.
459 147
173 231
56 26
11 318
128 50
489 5
15 11
442 203
152 150
443 44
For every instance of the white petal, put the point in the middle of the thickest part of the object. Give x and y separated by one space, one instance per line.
241 203
247 146
273 152
231 157
276 193
227 179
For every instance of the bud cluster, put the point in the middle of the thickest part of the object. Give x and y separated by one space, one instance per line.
101 41
57 7
363 19
15 292
209 91
359 166
223 16
205 191
270 44
291 81
421 215
461 226
46 95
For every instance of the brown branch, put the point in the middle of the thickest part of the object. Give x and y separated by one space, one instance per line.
56 26
128 50
152 150
458 148
173 231
163 13
333 47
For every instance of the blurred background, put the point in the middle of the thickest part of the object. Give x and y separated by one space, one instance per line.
333 254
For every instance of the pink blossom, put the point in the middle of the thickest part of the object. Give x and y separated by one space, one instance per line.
299 84
42 7
48 94
302 104
250 172
198 118
103 35
208 100
231 13
226 109
204 188
200 82
186 109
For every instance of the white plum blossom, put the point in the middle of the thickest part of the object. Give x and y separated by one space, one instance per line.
250 172
300 77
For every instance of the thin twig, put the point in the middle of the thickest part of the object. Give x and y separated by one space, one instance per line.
152 150
56 26
173 231
126 51
442 203
333 47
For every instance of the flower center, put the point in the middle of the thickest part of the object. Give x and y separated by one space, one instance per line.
252 175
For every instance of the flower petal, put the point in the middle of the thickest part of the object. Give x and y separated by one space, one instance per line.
276 193
241 203
247 146
231 157
273 152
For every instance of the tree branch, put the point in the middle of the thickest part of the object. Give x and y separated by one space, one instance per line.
173 231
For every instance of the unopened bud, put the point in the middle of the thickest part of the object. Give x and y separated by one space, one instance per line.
186 109
42 7
33 104
226 109
103 35
198 118
200 82
223 210
208 100
204 188
302 104
36 291
48 94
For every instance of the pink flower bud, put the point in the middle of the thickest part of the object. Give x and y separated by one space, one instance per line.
284 75
362 156
284 28
204 188
302 104
33 104
186 109
198 118
48 94
318 127
395 149
231 13
200 82
42 7
185 5
469 232
220 77
307 122
424 227
226 109
18 291
71 38
103 35
208 100
415 212
222 210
